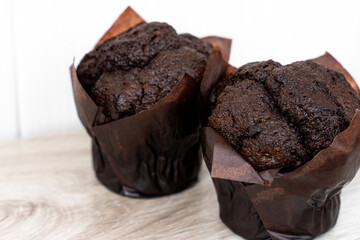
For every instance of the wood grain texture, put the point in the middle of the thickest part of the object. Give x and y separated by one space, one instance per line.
48 191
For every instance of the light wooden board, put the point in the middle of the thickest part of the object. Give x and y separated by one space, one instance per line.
48 191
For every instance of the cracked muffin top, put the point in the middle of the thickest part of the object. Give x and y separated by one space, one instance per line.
132 71
280 116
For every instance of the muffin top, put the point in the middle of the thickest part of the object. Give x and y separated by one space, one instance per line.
280 116
130 72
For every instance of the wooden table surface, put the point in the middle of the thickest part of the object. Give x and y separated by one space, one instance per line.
48 191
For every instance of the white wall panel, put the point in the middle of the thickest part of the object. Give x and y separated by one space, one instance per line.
48 34
8 107
43 56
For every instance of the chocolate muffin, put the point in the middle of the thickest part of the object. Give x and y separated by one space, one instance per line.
132 71
281 116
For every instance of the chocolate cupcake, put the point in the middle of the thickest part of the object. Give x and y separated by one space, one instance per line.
136 95
281 116
132 71
280 143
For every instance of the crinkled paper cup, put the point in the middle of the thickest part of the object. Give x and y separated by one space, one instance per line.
301 204
152 153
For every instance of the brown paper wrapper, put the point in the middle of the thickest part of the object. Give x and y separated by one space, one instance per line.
329 61
153 153
301 204
128 19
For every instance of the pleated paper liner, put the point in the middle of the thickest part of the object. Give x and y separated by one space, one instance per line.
301 204
152 153
329 61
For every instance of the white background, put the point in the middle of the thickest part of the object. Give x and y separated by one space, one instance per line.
40 38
